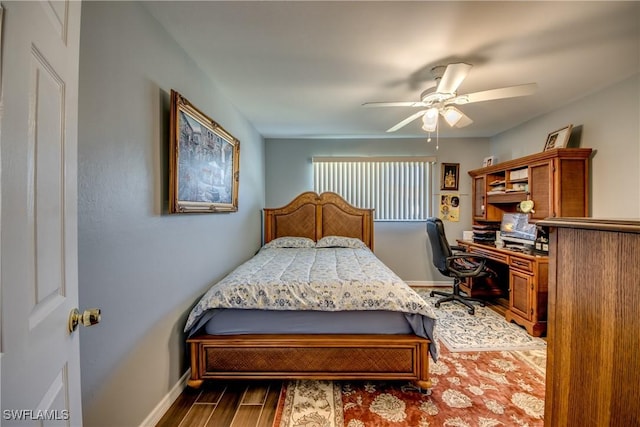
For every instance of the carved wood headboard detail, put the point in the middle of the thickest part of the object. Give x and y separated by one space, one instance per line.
315 216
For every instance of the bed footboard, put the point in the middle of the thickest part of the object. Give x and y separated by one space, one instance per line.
320 357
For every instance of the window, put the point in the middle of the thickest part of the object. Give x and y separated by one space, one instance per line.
398 188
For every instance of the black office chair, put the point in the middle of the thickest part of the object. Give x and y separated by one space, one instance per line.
454 264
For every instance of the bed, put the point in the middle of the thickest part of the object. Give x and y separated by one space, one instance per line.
380 350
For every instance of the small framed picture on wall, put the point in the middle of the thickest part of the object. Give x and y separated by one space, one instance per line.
449 176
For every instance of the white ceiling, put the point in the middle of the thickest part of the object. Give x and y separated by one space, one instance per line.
303 69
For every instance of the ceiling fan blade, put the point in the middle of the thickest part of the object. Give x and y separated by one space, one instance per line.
394 104
488 95
453 76
406 121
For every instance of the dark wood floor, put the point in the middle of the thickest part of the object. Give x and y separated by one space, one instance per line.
225 404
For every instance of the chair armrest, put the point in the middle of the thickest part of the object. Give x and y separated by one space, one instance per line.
481 262
459 248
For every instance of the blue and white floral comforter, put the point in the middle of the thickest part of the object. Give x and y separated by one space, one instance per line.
326 279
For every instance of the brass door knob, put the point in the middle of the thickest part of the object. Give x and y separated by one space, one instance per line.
89 318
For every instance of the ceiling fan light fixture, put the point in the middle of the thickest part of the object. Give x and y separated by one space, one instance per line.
429 128
451 115
430 120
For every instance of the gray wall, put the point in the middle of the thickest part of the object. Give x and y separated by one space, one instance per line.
401 245
143 267
608 122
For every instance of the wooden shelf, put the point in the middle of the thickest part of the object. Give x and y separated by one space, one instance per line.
557 182
510 197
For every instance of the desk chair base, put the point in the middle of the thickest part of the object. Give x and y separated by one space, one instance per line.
455 296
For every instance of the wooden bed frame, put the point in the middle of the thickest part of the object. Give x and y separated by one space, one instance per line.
333 356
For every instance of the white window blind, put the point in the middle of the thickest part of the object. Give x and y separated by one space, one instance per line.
398 188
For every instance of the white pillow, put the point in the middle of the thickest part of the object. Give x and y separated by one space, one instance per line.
341 242
291 242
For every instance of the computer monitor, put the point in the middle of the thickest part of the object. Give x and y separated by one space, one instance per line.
515 228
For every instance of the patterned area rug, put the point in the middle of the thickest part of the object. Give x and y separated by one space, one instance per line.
310 404
486 330
490 373
469 389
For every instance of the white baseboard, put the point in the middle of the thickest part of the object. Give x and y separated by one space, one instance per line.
156 414
428 284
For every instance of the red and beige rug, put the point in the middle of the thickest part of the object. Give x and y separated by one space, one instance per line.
484 389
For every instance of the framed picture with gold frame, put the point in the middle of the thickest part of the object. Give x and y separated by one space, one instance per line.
449 176
203 163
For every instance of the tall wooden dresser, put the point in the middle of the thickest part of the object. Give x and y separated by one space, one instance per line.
593 362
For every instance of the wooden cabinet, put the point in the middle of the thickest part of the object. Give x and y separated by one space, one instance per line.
541 190
556 180
593 356
479 194
520 287
528 287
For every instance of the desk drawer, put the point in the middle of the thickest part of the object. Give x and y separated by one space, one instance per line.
521 264
496 256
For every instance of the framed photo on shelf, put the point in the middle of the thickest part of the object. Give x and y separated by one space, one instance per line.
558 138
449 176
489 161
203 162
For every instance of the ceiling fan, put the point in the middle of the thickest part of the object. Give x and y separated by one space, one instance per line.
442 99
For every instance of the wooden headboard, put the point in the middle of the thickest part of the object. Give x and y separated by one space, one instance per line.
315 216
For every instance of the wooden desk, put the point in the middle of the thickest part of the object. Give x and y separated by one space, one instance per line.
528 284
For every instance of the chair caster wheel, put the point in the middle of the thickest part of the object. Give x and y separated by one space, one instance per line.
437 304
471 311
431 294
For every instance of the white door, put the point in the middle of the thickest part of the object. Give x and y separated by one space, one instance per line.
38 153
